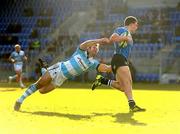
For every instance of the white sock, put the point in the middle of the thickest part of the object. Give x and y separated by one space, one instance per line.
20 81
13 77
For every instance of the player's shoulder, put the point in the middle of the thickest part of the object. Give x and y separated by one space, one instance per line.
120 30
21 52
13 53
79 50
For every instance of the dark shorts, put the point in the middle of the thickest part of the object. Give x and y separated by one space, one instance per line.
117 61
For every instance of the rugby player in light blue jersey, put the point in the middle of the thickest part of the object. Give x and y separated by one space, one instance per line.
123 42
17 57
81 61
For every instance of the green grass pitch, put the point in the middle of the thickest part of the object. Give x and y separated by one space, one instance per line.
103 111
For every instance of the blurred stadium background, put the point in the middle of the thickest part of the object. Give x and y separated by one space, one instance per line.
52 29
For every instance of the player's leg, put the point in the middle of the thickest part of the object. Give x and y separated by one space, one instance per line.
47 88
18 70
18 75
10 78
43 65
117 85
42 82
123 76
56 75
20 80
101 80
13 77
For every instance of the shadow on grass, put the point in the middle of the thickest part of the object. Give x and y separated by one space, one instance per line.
126 118
67 115
122 118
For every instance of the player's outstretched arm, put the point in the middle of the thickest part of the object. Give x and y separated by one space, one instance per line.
104 68
89 43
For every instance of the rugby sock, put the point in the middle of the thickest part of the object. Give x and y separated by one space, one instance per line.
31 89
131 103
20 81
13 77
43 71
106 81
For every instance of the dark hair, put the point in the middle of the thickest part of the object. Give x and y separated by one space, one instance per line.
130 19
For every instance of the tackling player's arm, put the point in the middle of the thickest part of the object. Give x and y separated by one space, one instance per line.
117 38
89 43
104 68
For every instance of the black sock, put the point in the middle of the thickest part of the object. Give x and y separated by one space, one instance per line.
131 103
106 81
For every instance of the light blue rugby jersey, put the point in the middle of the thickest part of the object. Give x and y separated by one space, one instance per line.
77 64
18 57
123 48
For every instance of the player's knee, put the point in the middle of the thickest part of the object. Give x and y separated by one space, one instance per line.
131 81
42 91
18 72
18 75
39 85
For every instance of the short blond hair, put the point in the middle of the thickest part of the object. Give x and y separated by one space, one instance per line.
17 45
130 19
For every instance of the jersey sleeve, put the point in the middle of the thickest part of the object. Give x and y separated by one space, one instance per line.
78 51
95 64
12 55
22 54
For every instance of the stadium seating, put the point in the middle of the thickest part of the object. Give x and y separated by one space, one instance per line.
45 10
